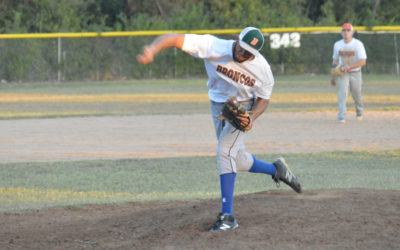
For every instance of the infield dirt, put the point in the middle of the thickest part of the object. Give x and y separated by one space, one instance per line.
150 136
316 219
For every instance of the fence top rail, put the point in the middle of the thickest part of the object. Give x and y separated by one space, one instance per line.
319 29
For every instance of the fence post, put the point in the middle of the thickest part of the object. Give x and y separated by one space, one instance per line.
59 59
397 55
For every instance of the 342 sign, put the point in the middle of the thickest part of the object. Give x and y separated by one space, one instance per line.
285 40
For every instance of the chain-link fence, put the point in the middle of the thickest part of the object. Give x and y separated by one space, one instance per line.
109 58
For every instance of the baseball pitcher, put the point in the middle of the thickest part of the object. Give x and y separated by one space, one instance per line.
240 83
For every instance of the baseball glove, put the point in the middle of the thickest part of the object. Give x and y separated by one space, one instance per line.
338 70
236 114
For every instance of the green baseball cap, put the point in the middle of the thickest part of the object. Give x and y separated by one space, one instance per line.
251 39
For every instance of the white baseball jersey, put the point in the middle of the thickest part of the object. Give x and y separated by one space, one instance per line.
247 80
349 53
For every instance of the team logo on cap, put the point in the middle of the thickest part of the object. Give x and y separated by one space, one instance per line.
254 41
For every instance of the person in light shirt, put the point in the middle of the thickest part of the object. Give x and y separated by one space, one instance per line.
350 53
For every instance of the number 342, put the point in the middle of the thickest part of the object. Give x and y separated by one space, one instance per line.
285 40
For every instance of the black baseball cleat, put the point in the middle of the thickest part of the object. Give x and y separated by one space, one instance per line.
284 174
225 222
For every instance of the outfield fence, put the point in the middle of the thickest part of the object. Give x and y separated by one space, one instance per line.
112 55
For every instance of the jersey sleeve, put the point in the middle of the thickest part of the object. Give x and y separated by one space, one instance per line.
361 53
265 90
204 46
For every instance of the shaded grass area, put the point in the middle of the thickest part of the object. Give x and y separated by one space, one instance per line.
39 185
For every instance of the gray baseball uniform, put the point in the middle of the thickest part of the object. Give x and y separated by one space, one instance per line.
348 54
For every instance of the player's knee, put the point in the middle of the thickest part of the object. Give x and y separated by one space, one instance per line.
226 160
244 161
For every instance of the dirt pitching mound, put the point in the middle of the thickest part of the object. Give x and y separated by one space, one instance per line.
319 219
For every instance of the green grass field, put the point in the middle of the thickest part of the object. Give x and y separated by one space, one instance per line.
40 185
288 89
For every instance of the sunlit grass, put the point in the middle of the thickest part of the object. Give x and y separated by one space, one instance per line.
302 93
8 115
34 195
146 98
15 106
302 98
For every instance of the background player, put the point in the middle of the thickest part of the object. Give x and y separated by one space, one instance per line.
234 67
349 52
